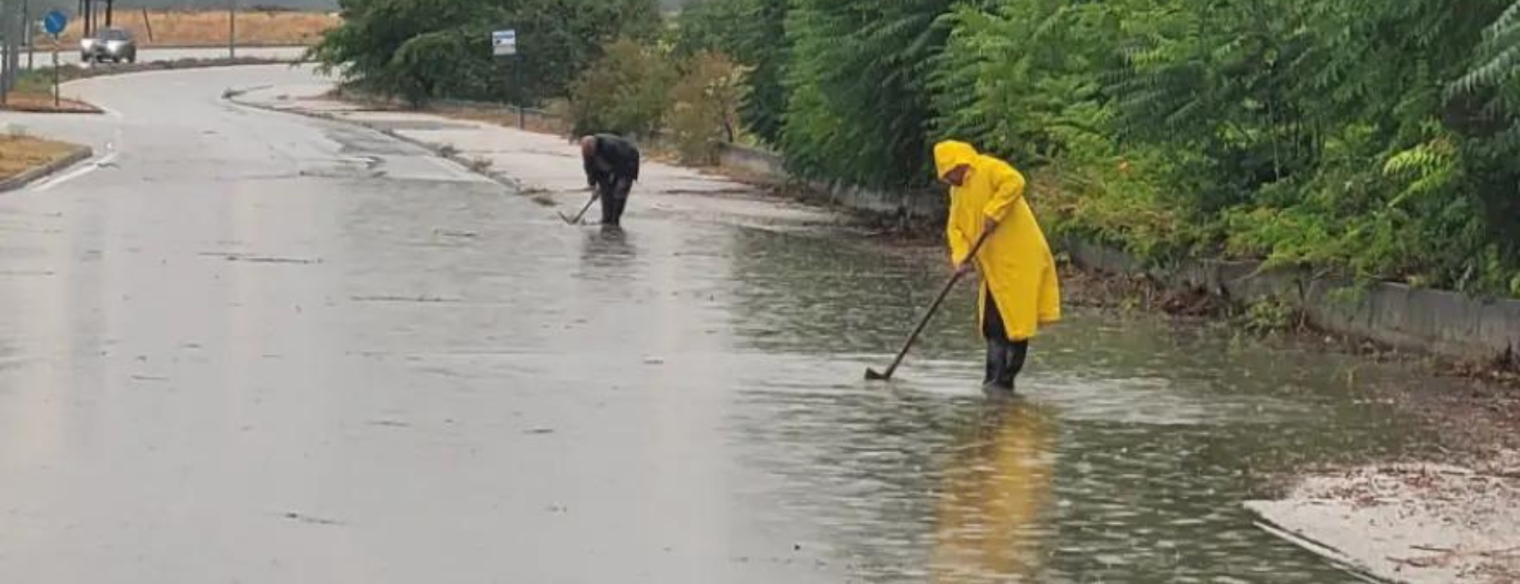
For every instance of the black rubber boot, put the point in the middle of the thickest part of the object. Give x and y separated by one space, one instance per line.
1000 351
997 365
612 212
1014 354
614 200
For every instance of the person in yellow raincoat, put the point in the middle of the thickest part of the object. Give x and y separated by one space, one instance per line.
1020 291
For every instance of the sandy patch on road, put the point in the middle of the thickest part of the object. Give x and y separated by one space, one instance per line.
1418 523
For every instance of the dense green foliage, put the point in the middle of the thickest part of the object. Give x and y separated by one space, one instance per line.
753 33
423 49
857 108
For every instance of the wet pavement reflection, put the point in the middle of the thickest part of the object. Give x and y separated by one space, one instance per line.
355 363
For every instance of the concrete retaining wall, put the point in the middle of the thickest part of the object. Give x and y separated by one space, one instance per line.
904 204
753 161
1436 321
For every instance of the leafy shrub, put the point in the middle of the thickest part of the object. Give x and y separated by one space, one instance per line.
627 91
704 107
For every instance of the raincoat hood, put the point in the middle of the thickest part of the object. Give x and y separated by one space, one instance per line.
950 154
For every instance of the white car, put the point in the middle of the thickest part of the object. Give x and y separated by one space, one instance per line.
109 44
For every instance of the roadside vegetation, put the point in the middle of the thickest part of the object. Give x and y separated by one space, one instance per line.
20 153
1374 139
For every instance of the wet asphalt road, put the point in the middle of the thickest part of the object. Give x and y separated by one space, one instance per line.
260 348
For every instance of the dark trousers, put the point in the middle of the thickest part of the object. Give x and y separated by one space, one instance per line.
1005 358
614 199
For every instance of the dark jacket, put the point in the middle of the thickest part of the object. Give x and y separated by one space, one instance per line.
621 157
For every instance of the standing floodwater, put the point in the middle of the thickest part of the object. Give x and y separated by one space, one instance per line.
1126 459
263 348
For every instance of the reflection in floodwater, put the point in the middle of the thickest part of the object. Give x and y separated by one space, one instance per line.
608 246
998 486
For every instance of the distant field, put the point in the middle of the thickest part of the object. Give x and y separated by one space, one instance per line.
208 28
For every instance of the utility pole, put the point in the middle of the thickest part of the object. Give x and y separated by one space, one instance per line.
232 29
30 30
9 26
110 10
522 94
12 44
5 60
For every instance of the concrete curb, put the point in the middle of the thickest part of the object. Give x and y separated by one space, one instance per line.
446 153
906 205
91 110
1438 322
218 46
29 176
232 93
181 65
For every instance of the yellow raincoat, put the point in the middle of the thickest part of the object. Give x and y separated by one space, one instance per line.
1015 262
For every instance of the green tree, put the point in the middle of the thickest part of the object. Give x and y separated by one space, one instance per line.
1399 182
714 25
450 54
1021 78
626 91
858 102
704 106
753 33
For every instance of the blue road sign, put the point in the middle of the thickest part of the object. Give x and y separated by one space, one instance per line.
55 22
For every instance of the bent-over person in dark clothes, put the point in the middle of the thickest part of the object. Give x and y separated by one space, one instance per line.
612 165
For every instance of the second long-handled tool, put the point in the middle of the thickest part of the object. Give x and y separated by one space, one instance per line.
874 375
580 215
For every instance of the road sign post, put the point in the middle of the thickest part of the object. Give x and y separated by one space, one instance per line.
28 35
232 8
10 45
504 44
522 94
54 23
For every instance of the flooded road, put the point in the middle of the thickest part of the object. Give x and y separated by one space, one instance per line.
262 348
